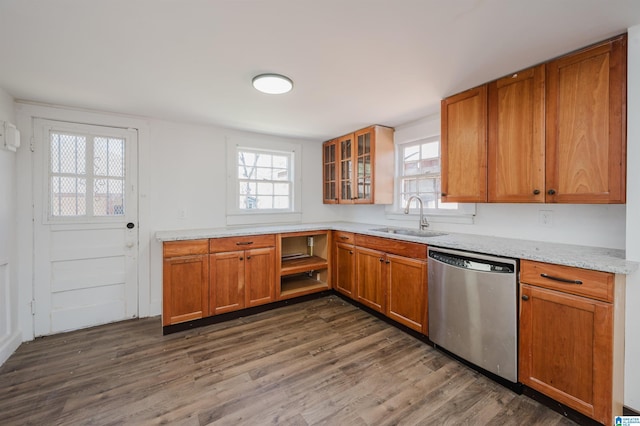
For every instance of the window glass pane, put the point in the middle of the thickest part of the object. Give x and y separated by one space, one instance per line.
280 162
281 202
431 150
263 160
281 189
265 188
108 197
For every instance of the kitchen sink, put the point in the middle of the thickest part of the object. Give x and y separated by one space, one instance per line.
410 232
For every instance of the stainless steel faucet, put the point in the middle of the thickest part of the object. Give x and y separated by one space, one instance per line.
423 220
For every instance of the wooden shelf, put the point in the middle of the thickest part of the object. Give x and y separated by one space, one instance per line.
302 264
300 284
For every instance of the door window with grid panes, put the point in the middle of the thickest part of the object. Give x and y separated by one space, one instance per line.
419 174
86 175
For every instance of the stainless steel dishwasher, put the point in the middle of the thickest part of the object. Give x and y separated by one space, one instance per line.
473 308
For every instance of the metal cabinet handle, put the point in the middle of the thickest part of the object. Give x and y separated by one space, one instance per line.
244 243
562 280
536 191
551 192
381 260
443 194
242 258
525 297
350 251
343 237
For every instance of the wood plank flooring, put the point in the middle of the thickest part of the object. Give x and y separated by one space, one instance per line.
323 362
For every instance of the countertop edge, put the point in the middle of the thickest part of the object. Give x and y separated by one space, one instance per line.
587 257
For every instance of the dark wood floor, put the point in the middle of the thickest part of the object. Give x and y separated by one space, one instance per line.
318 362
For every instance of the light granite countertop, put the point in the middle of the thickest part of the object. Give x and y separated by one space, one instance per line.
596 258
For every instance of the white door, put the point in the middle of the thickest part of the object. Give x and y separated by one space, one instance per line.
85 225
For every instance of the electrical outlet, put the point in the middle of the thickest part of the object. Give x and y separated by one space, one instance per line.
545 217
182 213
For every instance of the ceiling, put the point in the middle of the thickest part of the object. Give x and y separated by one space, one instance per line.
353 62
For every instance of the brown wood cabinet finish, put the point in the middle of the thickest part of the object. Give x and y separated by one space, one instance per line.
359 166
566 349
554 133
391 277
571 344
344 269
369 278
185 281
516 138
241 279
586 125
330 172
407 291
464 146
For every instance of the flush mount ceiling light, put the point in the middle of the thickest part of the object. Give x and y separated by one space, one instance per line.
273 84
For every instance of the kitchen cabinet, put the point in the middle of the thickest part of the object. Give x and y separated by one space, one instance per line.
304 263
463 142
571 337
344 267
369 278
586 125
516 138
241 277
359 167
185 281
554 133
391 278
330 172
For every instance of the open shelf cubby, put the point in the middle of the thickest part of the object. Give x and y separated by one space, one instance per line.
304 263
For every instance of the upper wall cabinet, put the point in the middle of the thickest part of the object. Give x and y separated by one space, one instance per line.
464 146
358 167
553 133
516 138
586 125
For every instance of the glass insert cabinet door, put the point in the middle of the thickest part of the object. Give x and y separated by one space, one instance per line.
329 171
363 166
346 168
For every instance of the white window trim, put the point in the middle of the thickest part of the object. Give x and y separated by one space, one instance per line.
237 216
463 215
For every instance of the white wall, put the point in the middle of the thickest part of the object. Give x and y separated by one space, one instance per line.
10 336
632 340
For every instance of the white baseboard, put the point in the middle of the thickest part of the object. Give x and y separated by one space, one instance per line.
9 344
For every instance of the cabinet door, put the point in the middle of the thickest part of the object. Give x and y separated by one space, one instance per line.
407 291
329 172
345 269
345 173
226 285
364 152
369 277
516 138
185 288
260 276
586 125
566 349
464 146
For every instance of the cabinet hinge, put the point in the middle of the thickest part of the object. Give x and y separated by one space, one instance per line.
32 144
33 306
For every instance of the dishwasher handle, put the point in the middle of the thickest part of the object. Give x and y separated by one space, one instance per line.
472 263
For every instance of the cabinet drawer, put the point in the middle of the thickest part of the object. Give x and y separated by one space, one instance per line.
582 282
218 245
344 237
185 248
389 245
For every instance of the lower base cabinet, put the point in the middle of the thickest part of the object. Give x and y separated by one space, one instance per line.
391 278
569 347
185 281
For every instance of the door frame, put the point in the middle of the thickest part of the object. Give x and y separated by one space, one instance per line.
149 301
